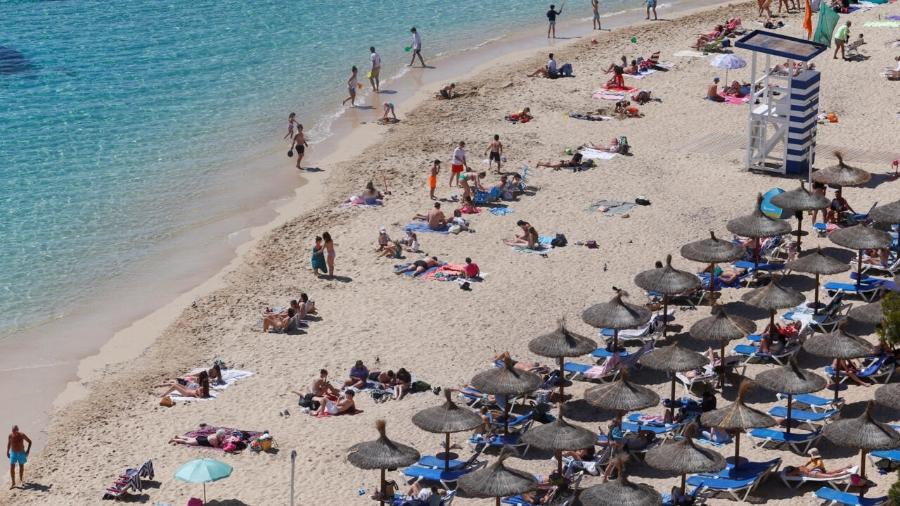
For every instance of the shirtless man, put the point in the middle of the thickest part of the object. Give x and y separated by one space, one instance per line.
321 387
495 151
17 454
299 145
435 218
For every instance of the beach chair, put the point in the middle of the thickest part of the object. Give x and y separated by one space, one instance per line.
575 370
752 353
432 469
602 354
644 333
736 483
885 460
708 377
690 299
693 496
814 403
516 421
832 497
130 482
841 482
763 267
799 442
873 368
402 499
891 269
865 291
814 418
639 421
498 441
594 467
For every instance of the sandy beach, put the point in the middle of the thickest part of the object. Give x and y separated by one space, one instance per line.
688 156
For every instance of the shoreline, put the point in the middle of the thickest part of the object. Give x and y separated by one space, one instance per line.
63 379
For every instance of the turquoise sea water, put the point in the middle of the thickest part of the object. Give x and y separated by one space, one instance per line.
123 124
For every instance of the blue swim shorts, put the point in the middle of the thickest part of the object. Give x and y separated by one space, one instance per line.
17 458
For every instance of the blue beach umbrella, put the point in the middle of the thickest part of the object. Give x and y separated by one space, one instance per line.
203 471
728 62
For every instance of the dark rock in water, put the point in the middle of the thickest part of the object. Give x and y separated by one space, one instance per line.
13 62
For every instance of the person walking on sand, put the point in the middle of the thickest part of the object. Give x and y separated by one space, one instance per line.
292 123
840 39
17 454
432 179
494 152
329 253
551 20
416 48
651 4
376 69
459 163
352 83
595 6
299 145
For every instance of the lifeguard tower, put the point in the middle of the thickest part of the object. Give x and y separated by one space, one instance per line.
784 102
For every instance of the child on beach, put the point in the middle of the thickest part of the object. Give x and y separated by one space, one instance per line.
432 179
494 152
471 269
447 92
352 82
291 122
389 109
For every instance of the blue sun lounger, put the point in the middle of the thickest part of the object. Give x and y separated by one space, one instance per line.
575 370
738 483
865 291
832 496
433 462
400 500
893 456
814 402
875 369
801 415
604 354
799 442
445 478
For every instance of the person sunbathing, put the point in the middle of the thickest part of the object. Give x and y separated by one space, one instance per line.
726 276
214 375
815 467
523 116
419 266
410 242
849 369
391 250
880 257
305 307
447 92
706 38
534 367
632 69
385 379
435 218
617 80
278 321
547 491
774 340
338 406
216 440
528 238
320 387
624 109
712 92
893 75
200 391
402 383
734 90
359 376
575 161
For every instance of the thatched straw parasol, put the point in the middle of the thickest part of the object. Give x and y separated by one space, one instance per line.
621 396
682 456
559 344
888 213
667 281
790 379
446 419
673 359
888 395
712 251
560 435
838 344
617 315
860 237
737 417
800 200
618 492
506 381
773 297
818 263
871 313
756 225
497 480
719 329
382 454
864 433
841 174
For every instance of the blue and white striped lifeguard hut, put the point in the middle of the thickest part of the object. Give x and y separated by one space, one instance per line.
784 103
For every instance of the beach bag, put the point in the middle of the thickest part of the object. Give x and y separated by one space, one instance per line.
167 402
307 402
420 386
559 241
566 70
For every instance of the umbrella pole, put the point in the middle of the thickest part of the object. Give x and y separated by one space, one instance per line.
816 307
834 380
447 452
559 462
562 386
788 429
615 340
862 463
799 232
498 501
381 492
683 482
665 315
722 367
858 269
672 406
737 448
204 492
506 415
756 248
712 284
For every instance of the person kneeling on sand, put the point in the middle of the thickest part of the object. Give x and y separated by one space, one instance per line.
419 266
435 218
216 440
528 237
448 92
338 406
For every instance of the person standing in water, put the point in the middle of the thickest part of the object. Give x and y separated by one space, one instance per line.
292 122
416 48
299 145
328 243
494 152
376 69
17 454
595 5
651 4
551 18
351 87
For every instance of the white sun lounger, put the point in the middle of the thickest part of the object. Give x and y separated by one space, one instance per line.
841 482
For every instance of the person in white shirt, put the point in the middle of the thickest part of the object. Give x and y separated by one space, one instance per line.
376 69
551 66
459 163
416 48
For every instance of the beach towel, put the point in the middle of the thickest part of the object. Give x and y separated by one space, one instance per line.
642 74
689 53
828 20
607 95
596 154
411 274
626 89
589 117
500 211
543 243
246 436
729 99
229 377
446 272
611 207
882 24
357 201
421 226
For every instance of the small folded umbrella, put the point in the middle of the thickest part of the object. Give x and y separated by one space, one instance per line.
863 433
558 436
619 492
841 174
497 480
672 359
506 381
559 344
667 280
737 418
446 419
800 200
790 379
756 225
682 456
712 251
860 238
382 454
617 315
621 396
838 344
203 471
818 263
719 329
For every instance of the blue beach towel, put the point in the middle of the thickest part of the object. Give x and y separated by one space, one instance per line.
501 211
421 226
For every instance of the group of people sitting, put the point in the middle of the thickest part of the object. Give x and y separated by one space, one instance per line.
289 319
437 220
712 40
735 89
324 398
390 248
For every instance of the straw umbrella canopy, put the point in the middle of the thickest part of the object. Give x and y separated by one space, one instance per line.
756 225
818 263
382 454
617 315
860 237
682 456
773 297
672 359
841 174
667 280
712 251
559 344
799 200
888 214
619 491
736 418
888 395
719 329
505 381
864 433
446 419
790 379
838 344
560 435
497 480
621 396
871 313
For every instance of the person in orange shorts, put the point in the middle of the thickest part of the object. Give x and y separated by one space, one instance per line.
459 163
432 179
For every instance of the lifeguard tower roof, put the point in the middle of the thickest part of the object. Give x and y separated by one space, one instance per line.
780 45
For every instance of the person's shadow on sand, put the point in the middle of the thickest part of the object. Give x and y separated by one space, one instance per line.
35 487
340 279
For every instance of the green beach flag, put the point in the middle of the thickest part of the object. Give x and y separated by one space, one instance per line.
828 19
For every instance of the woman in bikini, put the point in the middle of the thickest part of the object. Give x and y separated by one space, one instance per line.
329 253
201 391
212 441
528 238
292 121
351 87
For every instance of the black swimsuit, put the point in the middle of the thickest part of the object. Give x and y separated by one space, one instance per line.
203 441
